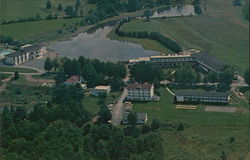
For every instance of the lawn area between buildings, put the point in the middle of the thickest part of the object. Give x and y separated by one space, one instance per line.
165 110
20 70
4 76
221 29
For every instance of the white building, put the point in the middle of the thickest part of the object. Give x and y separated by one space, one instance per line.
25 54
101 90
141 92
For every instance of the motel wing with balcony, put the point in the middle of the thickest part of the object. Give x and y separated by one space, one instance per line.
204 60
188 96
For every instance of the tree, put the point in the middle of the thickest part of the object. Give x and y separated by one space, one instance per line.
81 12
69 11
20 113
147 14
247 76
55 64
78 3
104 116
155 124
60 7
132 118
49 17
16 75
48 64
48 4
154 72
117 84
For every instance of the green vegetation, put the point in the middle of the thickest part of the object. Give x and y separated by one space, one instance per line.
216 31
20 92
44 76
4 76
210 130
20 70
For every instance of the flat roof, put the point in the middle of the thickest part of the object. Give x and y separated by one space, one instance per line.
201 93
102 87
171 56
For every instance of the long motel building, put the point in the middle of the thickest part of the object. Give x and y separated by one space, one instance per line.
202 59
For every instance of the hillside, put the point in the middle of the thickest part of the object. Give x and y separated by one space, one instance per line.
221 29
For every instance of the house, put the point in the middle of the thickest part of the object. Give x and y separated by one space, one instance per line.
25 54
141 118
98 90
187 96
141 92
74 80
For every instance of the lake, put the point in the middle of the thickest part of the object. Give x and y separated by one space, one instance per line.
183 10
97 45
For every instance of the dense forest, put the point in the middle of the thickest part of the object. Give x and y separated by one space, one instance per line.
61 129
94 71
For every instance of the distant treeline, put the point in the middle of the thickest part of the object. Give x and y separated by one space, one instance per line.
167 42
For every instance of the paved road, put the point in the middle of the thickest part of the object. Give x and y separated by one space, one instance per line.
239 83
118 107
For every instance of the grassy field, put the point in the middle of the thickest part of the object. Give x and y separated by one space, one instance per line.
3 76
44 76
26 30
16 9
20 70
206 134
20 92
220 29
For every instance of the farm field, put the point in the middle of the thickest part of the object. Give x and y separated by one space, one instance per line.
29 8
206 134
221 29
25 30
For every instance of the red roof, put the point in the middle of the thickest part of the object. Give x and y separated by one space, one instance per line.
73 79
144 86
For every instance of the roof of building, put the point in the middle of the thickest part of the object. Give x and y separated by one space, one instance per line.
102 88
201 93
171 56
144 86
73 79
140 59
210 60
140 116
24 50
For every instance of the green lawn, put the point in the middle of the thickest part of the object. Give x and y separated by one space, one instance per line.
20 31
220 29
16 9
165 110
4 76
20 70
44 76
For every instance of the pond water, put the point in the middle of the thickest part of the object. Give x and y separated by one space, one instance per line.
183 10
97 45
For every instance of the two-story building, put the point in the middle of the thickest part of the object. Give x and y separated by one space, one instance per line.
25 54
141 118
98 90
141 92
188 96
